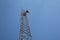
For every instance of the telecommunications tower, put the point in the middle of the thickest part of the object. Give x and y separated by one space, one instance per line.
25 33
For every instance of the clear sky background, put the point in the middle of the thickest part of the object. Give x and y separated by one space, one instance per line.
44 19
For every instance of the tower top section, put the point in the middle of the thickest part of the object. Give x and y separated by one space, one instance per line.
24 13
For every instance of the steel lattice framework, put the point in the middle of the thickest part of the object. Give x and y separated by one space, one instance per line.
25 33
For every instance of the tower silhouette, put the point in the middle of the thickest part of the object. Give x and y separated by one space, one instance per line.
25 33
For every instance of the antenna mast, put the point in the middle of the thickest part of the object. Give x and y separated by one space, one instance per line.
25 33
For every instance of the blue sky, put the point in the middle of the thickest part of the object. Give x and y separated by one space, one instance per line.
44 19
